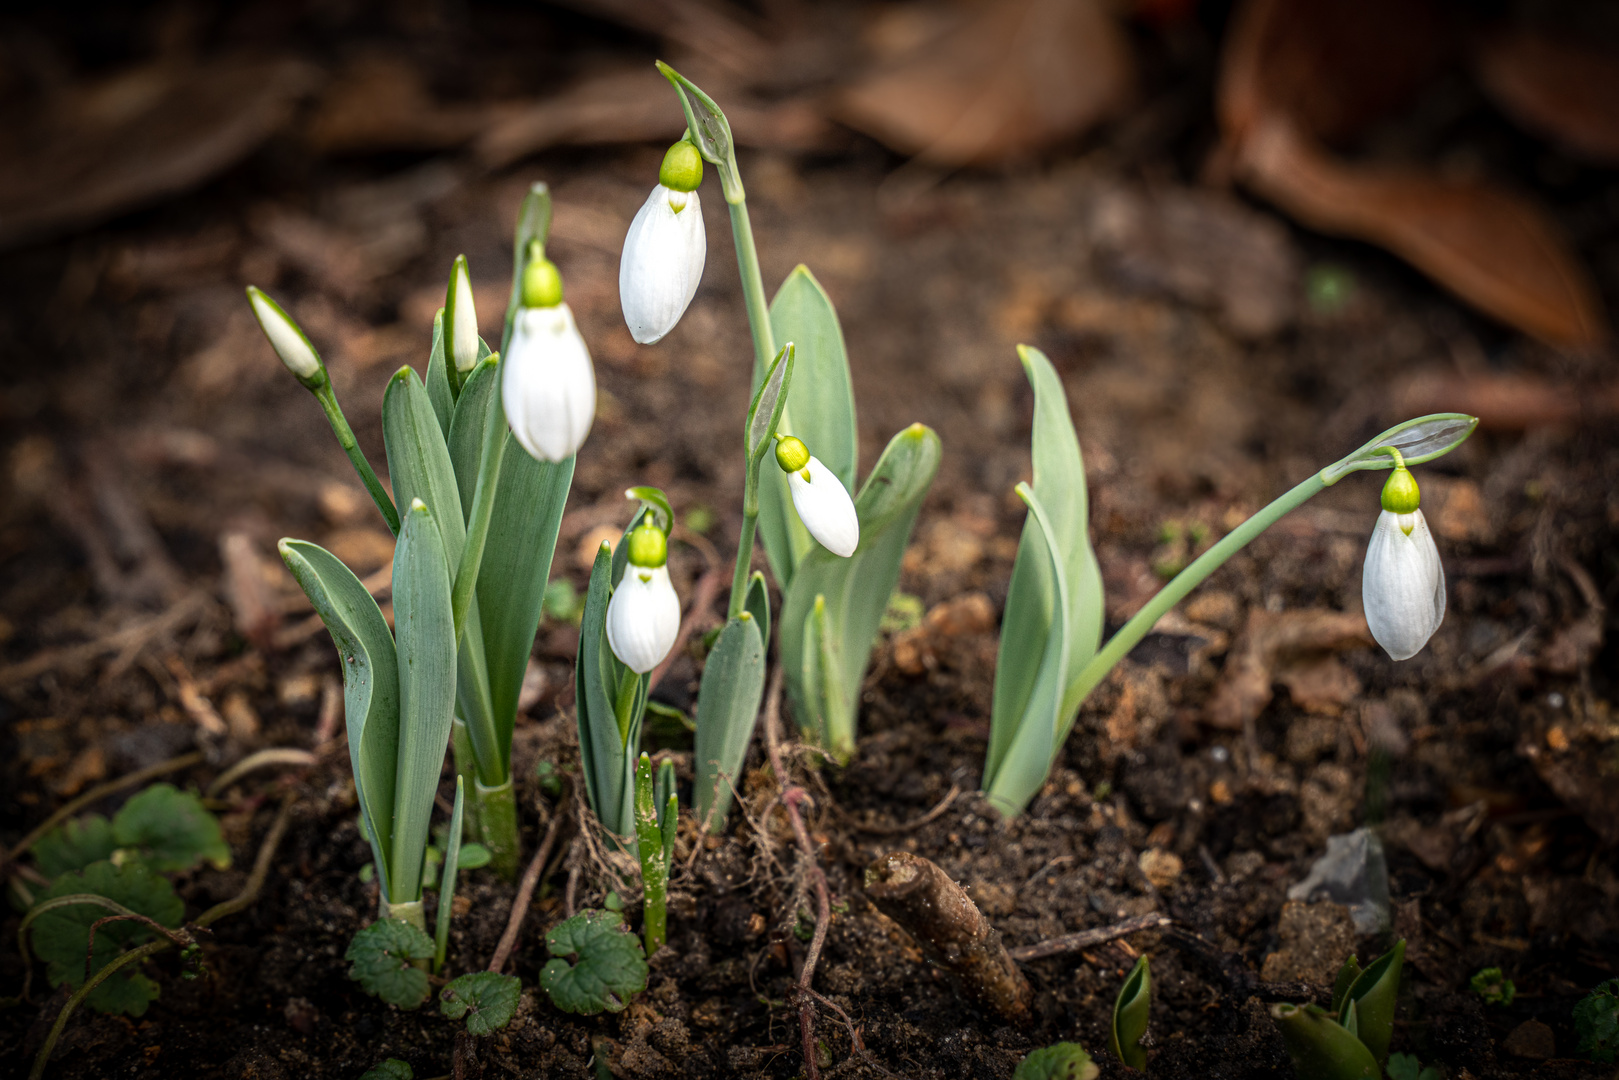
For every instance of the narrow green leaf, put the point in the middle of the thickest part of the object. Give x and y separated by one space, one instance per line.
1020 755
61 935
533 224
826 709
1346 978
365 648
727 705
439 391
171 830
74 844
609 759
1130 1013
467 424
1320 1047
758 604
452 864
609 965
382 959
764 412
857 588
820 411
1373 996
487 999
427 678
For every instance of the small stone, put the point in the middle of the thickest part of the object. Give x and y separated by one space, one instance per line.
1161 867
1531 1039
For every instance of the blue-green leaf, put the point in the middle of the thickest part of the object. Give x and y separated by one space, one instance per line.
439 390
1373 996
820 411
1320 1047
424 629
365 650
727 705
608 756
857 588
758 604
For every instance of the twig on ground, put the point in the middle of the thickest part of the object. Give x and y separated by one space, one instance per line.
702 598
243 899
1085 939
125 641
791 797
525 891
263 759
97 793
931 815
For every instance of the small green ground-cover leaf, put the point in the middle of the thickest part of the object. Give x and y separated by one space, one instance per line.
1494 987
487 999
75 844
1407 1067
171 829
608 964
381 959
61 936
1063 1061
392 1069
1596 1018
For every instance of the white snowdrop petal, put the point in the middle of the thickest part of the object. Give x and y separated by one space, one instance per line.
824 506
548 385
662 263
643 618
464 333
284 337
1403 585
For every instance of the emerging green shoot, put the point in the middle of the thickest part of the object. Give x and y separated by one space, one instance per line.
1062 1061
1130 1011
656 818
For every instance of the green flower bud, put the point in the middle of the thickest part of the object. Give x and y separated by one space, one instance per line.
682 168
1400 494
791 454
649 548
542 283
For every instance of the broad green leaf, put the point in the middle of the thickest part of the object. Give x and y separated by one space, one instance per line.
439 390
487 999
1064 1061
392 1069
1320 1047
1020 756
171 830
820 411
365 649
74 844
1373 996
533 224
727 706
382 959
61 936
1130 1011
857 588
608 755
427 682
608 964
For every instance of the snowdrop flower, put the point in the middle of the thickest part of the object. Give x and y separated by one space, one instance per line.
1403 586
822 502
664 251
547 384
461 319
287 340
643 617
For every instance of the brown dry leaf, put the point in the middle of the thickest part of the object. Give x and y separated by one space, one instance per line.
1006 80
1506 402
1296 649
1580 763
1560 89
136 137
379 103
1295 75
249 586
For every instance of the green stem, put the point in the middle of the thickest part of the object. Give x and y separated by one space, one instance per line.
345 437
654 870
764 351
497 825
1131 633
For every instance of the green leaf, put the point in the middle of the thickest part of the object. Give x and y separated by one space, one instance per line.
607 967
1494 987
1596 1020
74 844
1320 1047
727 706
382 959
1346 978
764 412
758 604
825 708
1130 1011
62 935
1419 440
820 411
171 829
487 999
452 864
533 224
608 756
439 391
365 648
857 588
1064 1061
427 684
474 856
1373 995
392 1069
467 425
1405 1067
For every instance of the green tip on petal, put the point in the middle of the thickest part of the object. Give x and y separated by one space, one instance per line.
649 548
542 284
682 168
791 454
1400 493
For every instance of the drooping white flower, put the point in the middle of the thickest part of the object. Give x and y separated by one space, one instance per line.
665 249
822 502
1403 585
643 617
547 384
286 339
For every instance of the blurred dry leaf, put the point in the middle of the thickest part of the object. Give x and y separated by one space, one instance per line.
380 103
993 80
1557 88
1505 401
1295 74
345 261
1295 648
133 138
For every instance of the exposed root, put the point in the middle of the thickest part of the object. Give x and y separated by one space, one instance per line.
525 892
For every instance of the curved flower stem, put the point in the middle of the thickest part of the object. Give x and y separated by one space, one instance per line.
1131 633
764 350
345 438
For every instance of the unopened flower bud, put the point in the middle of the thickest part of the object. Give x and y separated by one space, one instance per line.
287 339
548 385
461 318
822 502
1403 583
643 617
665 249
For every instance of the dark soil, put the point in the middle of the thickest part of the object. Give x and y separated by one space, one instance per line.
146 420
